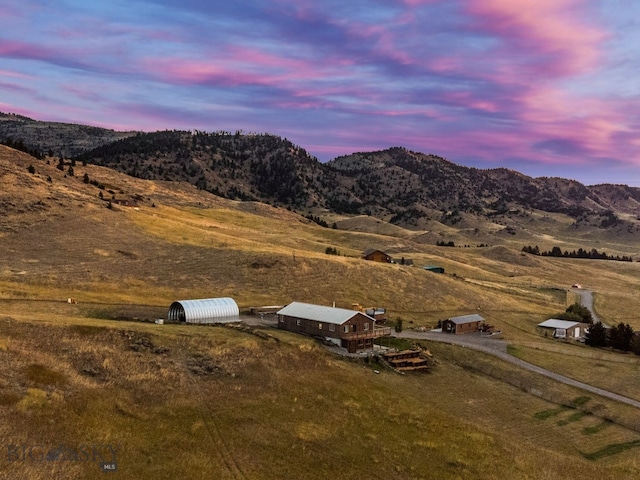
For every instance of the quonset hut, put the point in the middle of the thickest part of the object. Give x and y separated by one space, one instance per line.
206 310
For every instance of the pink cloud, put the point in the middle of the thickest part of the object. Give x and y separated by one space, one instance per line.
591 122
14 74
554 28
15 49
417 3
241 65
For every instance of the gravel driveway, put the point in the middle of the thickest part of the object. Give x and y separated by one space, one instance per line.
498 348
586 300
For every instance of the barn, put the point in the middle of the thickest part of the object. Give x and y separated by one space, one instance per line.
350 329
463 324
206 310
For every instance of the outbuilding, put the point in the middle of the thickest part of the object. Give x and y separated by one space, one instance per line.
563 328
206 310
463 324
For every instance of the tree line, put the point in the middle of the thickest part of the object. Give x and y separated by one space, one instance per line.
580 253
619 337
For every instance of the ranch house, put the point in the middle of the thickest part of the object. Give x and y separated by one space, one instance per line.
346 328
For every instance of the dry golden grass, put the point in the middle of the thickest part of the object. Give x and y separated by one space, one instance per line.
598 367
204 402
225 403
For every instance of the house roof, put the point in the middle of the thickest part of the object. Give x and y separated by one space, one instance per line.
319 313
474 317
373 250
555 323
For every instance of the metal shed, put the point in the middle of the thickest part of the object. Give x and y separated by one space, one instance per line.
563 328
206 310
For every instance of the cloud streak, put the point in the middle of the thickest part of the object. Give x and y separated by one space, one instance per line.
533 83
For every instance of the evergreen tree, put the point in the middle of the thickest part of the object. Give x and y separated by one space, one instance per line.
635 344
596 336
620 337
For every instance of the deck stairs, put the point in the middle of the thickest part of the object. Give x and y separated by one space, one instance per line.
408 360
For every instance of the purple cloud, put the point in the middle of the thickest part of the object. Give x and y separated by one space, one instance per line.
537 83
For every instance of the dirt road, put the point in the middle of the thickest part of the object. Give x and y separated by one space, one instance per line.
498 348
586 300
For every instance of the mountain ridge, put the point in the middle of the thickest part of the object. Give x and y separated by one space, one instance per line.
401 186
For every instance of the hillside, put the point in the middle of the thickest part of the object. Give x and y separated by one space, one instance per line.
409 189
256 402
60 139
404 188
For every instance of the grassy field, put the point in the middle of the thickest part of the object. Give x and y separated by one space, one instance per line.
221 402
203 402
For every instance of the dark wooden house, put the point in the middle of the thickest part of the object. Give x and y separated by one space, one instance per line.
349 329
463 324
376 256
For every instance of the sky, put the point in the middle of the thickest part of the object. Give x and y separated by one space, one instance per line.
544 87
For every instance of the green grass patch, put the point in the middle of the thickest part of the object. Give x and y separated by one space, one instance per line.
612 449
597 428
552 412
397 343
580 401
574 417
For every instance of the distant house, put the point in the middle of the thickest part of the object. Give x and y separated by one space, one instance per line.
434 268
376 256
350 329
563 328
463 324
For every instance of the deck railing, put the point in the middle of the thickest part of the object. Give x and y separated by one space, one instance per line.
376 333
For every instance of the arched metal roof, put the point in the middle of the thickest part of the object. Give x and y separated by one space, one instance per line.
206 310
